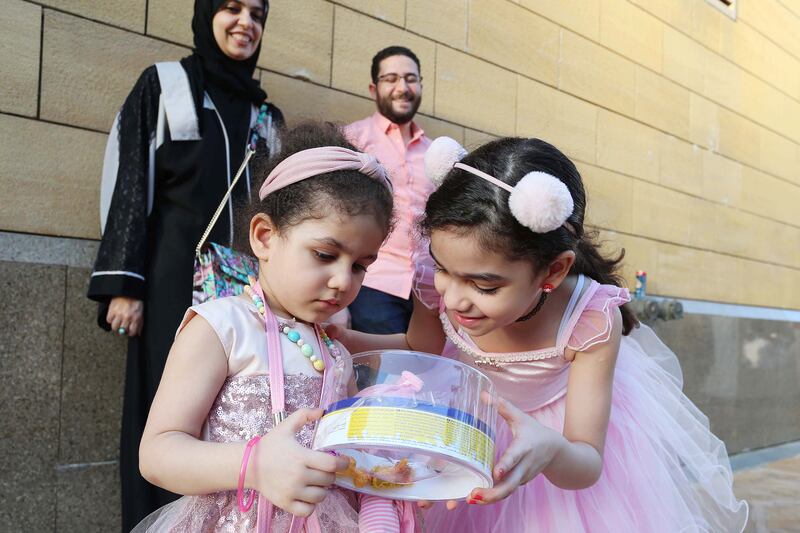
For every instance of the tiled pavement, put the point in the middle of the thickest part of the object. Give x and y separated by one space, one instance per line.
772 489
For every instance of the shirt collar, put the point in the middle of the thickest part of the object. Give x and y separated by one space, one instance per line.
384 124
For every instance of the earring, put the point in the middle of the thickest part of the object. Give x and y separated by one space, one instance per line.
547 288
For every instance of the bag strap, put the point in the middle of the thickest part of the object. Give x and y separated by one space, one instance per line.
247 155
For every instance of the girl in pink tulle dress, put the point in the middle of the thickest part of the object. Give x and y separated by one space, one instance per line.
595 433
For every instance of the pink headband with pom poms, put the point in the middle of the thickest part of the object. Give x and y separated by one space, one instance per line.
539 201
316 161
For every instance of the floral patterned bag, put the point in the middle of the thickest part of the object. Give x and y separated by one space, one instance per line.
218 270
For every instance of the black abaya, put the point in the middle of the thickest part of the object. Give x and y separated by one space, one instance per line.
150 257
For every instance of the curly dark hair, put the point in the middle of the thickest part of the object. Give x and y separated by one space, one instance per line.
346 192
467 204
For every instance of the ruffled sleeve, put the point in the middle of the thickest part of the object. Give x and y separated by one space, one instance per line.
424 271
593 318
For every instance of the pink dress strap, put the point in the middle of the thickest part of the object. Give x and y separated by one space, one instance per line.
278 399
591 321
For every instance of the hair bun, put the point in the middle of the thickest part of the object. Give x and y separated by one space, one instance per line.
541 202
442 154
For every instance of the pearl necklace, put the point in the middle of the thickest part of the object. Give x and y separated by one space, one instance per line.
294 336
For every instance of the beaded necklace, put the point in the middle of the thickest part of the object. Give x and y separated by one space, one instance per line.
294 336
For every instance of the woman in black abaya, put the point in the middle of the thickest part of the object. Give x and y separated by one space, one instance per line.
175 145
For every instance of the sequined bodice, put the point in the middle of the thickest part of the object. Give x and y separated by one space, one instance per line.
241 411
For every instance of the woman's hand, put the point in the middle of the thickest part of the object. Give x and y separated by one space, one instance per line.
289 475
532 449
128 313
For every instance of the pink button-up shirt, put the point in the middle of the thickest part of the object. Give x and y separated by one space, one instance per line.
393 271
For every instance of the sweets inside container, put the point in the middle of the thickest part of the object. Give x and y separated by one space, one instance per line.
413 425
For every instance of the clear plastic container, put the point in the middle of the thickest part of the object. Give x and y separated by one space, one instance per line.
413 424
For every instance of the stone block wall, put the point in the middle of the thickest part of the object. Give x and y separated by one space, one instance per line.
684 122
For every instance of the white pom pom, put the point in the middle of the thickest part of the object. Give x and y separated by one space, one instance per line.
541 202
442 154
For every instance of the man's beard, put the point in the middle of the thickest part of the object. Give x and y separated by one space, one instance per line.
385 109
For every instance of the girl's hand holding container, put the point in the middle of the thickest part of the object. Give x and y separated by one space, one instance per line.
286 473
531 451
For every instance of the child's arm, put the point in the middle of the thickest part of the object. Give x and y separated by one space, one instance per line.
424 335
172 455
572 460
579 461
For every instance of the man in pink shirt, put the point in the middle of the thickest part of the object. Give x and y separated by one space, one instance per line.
384 304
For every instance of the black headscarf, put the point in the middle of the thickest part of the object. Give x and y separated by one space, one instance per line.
209 64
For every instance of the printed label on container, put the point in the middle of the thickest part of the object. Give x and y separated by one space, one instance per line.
407 427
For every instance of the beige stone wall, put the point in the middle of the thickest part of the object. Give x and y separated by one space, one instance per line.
685 123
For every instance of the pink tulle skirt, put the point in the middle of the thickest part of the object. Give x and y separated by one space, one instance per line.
218 513
663 470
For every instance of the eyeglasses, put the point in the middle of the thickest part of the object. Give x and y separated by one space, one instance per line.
393 78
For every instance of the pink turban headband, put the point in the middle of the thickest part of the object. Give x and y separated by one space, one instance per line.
316 161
